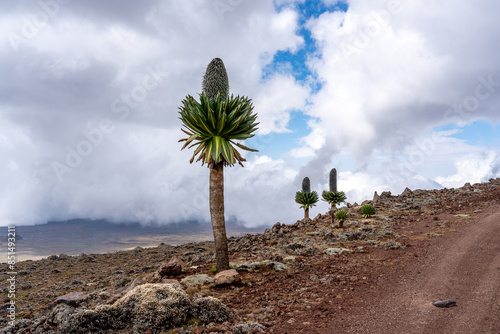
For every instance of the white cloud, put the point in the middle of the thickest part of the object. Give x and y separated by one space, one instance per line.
129 65
474 168
389 75
387 81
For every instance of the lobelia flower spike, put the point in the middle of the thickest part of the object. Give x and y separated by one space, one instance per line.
215 80
306 185
333 180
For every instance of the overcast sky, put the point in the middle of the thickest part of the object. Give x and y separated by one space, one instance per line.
391 93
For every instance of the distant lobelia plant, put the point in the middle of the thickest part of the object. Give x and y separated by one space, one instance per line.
306 198
341 216
333 196
367 210
213 124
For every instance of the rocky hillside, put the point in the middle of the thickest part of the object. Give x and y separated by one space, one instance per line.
302 277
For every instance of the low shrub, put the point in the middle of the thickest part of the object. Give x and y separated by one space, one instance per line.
367 210
341 216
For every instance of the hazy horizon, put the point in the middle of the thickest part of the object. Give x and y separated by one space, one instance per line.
77 236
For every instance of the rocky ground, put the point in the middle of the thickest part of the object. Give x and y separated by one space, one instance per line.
306 277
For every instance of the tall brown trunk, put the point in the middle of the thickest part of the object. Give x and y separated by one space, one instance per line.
217 214
332 214
306 214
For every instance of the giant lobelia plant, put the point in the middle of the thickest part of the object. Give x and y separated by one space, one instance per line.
306 198
213 124
333 197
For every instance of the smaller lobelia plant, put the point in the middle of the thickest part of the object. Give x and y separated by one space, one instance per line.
341 216
330 196
306 198
367 210
334 198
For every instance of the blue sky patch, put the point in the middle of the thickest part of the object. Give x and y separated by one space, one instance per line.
295 63
477 133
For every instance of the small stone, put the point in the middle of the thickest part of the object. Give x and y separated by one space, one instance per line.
278 266
197 280
103 295
385 194
445 303
227 277
337 251
60 314
172 268
72 298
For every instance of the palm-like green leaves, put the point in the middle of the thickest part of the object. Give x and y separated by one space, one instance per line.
367 210
306 199
334 198
214 125
342 215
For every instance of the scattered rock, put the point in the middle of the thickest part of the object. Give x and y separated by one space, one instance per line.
391 244
197 280
385 195
275 265
60 314
248 327
227 277
407 192
376 197
72 298
249 266
337 251
278 266
298 248
172 268
17 327
445 303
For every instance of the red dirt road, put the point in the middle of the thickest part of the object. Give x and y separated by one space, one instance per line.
463 266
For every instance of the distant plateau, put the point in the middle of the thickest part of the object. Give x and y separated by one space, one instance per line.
73 237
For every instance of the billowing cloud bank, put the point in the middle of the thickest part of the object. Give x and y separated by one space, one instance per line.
90 91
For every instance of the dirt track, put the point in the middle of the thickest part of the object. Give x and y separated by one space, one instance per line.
463 266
